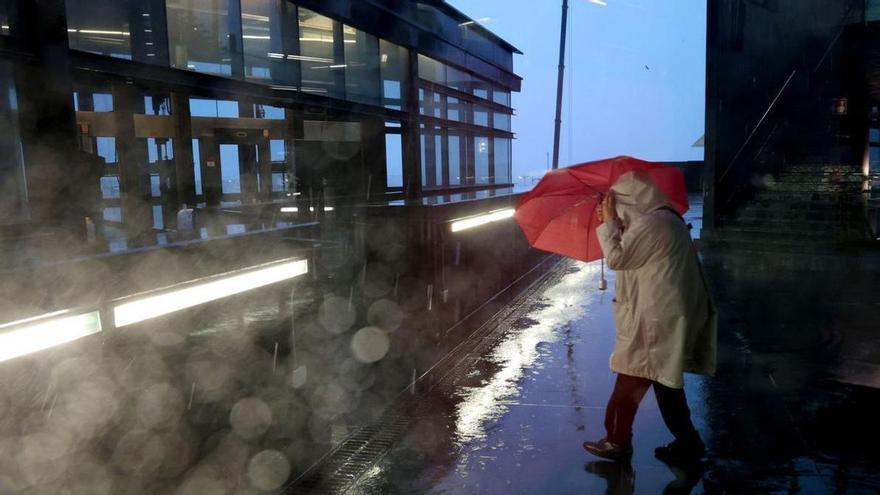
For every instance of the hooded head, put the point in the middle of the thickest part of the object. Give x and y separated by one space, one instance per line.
635 194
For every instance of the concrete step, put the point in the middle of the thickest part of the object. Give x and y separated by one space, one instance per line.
828 168
770 234
844 197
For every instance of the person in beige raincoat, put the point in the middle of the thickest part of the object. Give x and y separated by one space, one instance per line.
665 319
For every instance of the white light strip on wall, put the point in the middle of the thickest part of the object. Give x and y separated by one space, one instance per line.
294 209
477 221
147 307
19 338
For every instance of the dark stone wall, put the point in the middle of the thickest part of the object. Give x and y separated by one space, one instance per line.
753 46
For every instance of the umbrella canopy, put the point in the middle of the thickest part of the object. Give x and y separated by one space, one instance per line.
558 215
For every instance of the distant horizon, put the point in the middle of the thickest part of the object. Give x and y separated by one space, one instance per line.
634 85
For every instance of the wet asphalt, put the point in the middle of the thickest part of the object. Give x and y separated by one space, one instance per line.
513 417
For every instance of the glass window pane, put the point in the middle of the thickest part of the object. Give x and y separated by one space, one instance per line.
452 109
106 148
229 169
394 160
197 166
157 105
276 150
874 135
502 160
361 66
319 66
158 222
199 35
480 88
279 184
481 116
102 102
501 121
394 68
110 187
438 158
501 97
155 190
99 27
261 35
454 160
423 158
269 112
458 79
199 107
432 70
481 160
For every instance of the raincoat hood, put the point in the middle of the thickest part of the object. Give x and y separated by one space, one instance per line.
636 195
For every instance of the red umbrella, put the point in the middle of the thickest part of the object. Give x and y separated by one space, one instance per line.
558 215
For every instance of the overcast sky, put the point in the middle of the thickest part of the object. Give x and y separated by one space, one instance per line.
635 81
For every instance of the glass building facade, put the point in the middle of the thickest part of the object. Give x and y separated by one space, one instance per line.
220 103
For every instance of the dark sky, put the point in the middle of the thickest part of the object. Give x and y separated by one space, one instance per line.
635 83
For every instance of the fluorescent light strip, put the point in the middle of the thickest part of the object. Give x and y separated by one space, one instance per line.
148 307
98 31
30 335
255 37
294 209
480 220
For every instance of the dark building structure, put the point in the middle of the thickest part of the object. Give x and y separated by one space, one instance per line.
211 209
791 118
224 102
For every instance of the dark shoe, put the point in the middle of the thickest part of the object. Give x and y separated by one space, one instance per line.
609 450
679 451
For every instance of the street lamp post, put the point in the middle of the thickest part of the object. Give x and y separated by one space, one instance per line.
559 84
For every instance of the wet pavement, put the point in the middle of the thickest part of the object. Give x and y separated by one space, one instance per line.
512 416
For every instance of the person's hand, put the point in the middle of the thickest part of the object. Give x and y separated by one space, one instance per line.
606 209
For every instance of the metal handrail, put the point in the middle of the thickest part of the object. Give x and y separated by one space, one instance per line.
758 125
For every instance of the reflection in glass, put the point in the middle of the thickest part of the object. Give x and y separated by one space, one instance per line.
394 66
276 150
438 158
230 172
110 187
481 116
199 35
99 27
452 109
197 166
157 105
361 66
199 107
501 97
503 163
501 121
4 18
317 54
106 147
261 35
394 160
454 160
432 70
458 79
481 160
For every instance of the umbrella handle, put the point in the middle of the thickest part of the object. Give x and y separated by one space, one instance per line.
603 284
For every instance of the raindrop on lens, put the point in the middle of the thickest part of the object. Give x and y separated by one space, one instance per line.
370 344
385 314
250 417
268 470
